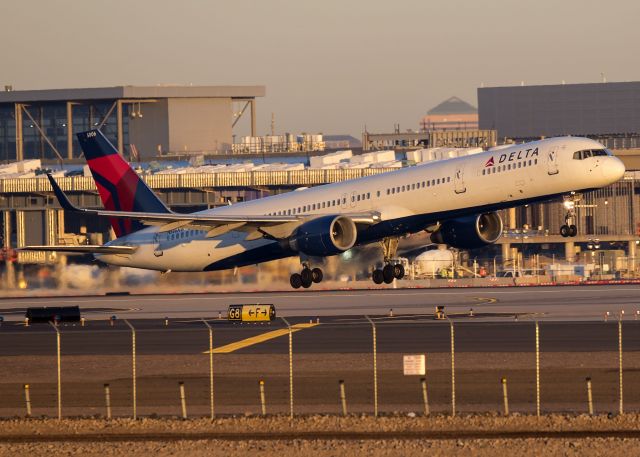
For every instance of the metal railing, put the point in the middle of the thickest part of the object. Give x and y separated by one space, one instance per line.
178 181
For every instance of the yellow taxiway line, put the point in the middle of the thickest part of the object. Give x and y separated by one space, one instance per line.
227 348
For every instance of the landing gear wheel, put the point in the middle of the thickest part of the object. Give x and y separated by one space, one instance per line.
377 276
307 277
316 275
573 230
398 271
387 273
564 231
295 281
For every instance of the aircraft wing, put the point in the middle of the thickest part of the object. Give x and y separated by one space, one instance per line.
257 226
83 249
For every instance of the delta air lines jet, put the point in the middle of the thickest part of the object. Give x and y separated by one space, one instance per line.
454 200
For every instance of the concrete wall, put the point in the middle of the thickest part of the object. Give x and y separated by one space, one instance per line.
200 124
567 109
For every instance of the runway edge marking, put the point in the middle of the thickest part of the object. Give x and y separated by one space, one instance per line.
231 347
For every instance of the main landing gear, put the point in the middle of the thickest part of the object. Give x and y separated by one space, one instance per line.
569 229
306 277
391 270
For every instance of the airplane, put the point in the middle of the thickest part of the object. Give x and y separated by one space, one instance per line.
455 201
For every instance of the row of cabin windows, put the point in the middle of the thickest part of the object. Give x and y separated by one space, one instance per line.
312 207
182 234
359 197
418 185
322 205
510 166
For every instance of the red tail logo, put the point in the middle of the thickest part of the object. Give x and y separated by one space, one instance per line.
489 163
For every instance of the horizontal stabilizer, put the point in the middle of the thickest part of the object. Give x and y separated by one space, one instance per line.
83 249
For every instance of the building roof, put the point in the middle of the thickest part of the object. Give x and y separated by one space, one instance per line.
123 92
453 105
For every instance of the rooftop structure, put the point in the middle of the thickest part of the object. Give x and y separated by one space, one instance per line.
452 114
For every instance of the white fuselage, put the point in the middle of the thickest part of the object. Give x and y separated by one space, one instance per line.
493 179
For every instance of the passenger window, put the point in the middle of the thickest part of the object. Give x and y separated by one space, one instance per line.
535 162
438 181
368 195
358 197
378 194
448 178
428 183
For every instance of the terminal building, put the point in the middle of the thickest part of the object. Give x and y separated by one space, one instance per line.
142 121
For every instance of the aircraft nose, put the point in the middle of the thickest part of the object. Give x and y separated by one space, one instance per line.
613 169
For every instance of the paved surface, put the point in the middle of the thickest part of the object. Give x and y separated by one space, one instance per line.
544 303
332 335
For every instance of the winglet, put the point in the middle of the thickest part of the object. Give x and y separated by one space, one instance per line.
61 196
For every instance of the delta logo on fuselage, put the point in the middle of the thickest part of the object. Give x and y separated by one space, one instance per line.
512 157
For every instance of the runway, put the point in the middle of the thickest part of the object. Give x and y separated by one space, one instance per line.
560 303
330 336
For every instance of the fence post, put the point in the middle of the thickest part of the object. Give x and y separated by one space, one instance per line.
107 399
55 327
375 365
213 414
183 400
620 363
263 403
343 397
290 367
505 396
27 399
133 368
425 398
537 369
589 397
453 370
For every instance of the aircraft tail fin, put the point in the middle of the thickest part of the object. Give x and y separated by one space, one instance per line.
119 186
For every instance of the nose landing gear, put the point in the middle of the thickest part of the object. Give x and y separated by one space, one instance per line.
569 229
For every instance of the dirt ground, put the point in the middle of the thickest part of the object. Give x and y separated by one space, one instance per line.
322 448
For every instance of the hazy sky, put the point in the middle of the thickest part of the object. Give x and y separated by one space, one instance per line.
329 66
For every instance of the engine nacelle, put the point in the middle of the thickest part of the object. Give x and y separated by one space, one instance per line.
324 236
469 232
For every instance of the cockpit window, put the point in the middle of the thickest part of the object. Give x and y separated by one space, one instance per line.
587 153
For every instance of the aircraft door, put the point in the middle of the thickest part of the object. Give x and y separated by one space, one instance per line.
343 201
458 180
552 162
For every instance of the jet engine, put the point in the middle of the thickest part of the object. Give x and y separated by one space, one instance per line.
324 236
469 232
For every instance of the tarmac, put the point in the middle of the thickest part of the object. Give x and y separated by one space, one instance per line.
559 303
